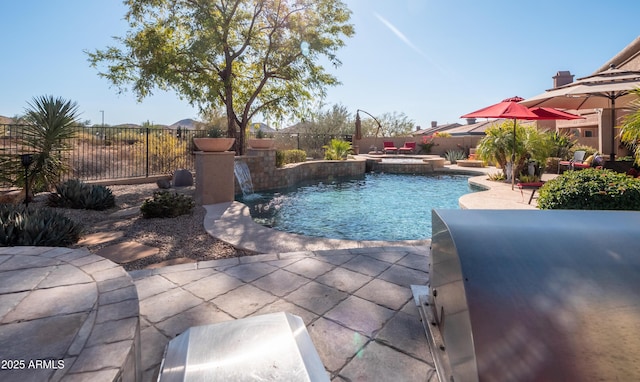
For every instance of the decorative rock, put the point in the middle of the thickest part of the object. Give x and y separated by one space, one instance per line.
163 183
12 197
182 178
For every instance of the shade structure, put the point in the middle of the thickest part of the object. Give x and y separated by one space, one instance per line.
608 89
511 108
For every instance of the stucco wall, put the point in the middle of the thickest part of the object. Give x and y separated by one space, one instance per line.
442 144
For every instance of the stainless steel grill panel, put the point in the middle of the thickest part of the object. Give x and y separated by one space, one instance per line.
535 295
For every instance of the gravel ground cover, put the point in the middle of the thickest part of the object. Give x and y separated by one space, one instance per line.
180 237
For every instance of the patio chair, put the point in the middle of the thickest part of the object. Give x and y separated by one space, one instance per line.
578 157
408 148
389 147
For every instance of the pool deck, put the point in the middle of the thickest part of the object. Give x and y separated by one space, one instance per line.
354 296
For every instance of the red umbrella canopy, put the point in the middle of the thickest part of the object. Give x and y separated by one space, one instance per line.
508 108
551 113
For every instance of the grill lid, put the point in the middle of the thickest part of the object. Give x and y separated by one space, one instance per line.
535 295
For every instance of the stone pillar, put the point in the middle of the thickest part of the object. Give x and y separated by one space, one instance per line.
214 177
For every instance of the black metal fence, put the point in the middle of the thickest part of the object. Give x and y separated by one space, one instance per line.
115 152
100 153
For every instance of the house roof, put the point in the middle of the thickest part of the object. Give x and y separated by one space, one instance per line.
434 129
628 58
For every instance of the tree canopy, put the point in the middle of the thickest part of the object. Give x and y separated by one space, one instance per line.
246 56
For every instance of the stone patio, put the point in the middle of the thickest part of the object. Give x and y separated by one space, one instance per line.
356 303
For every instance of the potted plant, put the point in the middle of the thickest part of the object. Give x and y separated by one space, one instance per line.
214 142
262 140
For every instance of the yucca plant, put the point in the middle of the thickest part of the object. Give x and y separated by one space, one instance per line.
40 227
50 127
76 194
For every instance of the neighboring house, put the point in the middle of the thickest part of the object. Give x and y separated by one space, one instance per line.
434 129
254 127
586 131
474 128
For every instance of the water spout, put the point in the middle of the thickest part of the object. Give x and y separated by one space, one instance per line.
243 175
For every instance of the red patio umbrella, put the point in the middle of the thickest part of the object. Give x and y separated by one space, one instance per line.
550 113
510 108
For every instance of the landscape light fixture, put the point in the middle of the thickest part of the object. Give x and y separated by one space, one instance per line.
26 160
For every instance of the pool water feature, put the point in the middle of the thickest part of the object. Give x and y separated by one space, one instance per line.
389 207
243 175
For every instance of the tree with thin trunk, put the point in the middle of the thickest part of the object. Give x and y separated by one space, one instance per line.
246 56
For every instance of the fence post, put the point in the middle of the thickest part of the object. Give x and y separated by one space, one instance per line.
147 156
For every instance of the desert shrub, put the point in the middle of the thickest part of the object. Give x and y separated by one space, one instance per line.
591 189
76 194
337 149
453 156
40 227
496 177
290 156
166 153
165 204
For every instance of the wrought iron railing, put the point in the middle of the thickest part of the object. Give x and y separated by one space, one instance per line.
101 153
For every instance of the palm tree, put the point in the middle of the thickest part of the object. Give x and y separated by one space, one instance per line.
630 129
50 127
530 144
497 144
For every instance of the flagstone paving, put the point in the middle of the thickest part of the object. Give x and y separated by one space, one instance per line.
364 327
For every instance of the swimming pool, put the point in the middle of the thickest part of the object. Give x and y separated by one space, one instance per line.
378 206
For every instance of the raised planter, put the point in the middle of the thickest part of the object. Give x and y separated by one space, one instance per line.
470 163
213 144
264 143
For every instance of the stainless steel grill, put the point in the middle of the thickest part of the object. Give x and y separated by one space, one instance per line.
534 295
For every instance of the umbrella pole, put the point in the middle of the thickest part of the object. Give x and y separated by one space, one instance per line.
612 156
513 157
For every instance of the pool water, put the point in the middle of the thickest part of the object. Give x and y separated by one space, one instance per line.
388 207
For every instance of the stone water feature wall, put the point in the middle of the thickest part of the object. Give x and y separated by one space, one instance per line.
426 166
265 175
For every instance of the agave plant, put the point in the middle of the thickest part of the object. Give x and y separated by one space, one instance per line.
40 227
50 127
76 194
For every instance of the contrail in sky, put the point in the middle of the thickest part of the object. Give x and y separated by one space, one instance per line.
399 34
408 42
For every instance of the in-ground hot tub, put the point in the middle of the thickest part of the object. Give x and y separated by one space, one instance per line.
534 295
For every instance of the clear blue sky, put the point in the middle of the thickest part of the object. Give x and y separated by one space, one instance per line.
433 60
